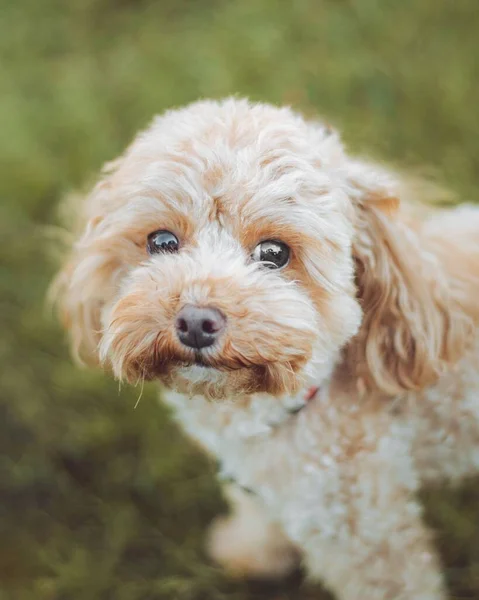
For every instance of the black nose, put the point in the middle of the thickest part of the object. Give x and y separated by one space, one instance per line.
199 327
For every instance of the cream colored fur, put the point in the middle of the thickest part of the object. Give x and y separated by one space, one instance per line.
377 307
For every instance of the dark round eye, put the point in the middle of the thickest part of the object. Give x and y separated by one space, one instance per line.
162 241
272 254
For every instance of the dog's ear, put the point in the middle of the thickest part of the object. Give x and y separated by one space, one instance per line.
411 325
86 280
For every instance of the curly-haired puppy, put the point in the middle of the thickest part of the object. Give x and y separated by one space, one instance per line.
313 334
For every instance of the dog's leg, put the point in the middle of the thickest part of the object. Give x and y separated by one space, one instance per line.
247 543
398 565
363 536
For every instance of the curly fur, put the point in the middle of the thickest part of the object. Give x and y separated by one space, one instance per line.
376 307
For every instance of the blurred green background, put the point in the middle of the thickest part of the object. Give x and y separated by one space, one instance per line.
99 500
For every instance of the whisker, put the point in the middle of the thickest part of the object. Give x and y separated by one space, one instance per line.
141 392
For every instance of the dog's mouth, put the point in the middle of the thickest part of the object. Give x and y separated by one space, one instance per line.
219 377
205 362
201 361
196 362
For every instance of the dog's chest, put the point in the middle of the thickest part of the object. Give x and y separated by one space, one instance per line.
247 441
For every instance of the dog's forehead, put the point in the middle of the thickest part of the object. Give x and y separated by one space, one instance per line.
235 188
225 145
227 175
239 165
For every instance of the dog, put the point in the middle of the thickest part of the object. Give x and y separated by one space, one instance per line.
313 323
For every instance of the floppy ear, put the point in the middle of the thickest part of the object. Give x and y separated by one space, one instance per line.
411 324
87 279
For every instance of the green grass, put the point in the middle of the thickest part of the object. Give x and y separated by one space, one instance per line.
99 500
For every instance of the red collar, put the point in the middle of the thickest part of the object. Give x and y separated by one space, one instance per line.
311 393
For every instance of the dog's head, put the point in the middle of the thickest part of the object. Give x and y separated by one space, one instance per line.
228 251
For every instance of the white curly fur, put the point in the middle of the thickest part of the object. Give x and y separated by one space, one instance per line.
376 307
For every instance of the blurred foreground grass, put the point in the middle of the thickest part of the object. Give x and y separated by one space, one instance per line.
98 500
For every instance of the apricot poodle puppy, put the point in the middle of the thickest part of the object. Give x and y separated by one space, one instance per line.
314 327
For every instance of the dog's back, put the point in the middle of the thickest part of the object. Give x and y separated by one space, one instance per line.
445 416
453 235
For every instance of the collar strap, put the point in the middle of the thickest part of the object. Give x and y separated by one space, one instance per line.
310 395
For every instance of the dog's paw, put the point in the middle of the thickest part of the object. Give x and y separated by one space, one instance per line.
251 548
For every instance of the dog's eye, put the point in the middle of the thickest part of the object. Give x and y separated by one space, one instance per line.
272 254
162 241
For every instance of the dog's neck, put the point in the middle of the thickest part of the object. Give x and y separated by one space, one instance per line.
237 421
252 416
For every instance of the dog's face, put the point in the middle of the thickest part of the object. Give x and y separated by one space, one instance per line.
217 256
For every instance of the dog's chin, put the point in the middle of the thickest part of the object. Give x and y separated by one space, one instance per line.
215 383
200 379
